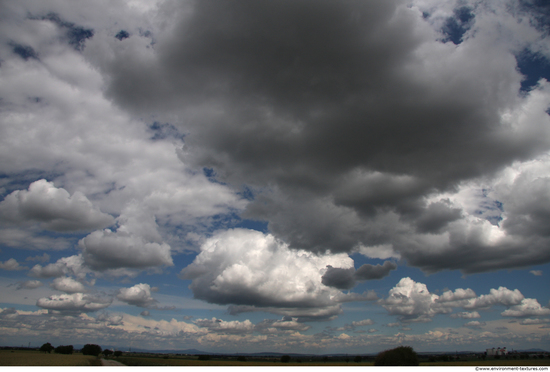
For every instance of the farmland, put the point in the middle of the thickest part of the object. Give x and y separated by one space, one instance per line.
37 358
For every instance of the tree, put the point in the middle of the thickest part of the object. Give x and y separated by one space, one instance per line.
47 348
107 352
400 356
64 349
358 359
91 349
118 353
285 359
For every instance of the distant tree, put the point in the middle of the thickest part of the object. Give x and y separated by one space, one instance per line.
285 358
204 357
64 349
91 349
118 353
400 356
107 352
358 359
325 359
241 358
47 348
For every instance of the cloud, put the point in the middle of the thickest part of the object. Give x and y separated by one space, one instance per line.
412 302
29 284
11 265
44 258
67 285
466 315
18 238
250 269
534 321
293 87
536 272
347 278
475 324
72 265
135 244
221 326
73 302
138 295
54 208
145 313
501 296
527 307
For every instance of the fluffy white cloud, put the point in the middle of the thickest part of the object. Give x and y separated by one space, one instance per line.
501 296
527 307
536 272
73 302
11 265
138 295
67 285
72 265
246 267
222 326
135 244
53 207
412 302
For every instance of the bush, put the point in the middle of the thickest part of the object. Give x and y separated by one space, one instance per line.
358 359
400 356
204 357
241 358
118 353
91 349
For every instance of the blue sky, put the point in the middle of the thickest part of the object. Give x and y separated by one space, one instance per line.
290 176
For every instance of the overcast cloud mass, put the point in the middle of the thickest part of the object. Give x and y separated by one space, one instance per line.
291 175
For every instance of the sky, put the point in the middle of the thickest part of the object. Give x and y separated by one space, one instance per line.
305 176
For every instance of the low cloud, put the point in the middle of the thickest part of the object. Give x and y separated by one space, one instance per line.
536 272
53 208
12 265
29 284
250 270
527 307
466 315
73 302
67 285
348 278
138 295
222 326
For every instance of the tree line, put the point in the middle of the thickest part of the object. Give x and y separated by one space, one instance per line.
88 349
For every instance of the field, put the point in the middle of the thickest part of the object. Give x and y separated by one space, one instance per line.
37 358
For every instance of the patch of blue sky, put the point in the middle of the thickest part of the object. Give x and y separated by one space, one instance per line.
161 131
455 27
533 66
75 34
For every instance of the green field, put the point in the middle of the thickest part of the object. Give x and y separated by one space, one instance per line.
37 358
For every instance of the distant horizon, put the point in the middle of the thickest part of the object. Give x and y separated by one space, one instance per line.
309 176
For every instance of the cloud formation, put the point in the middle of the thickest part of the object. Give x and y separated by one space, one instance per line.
54 208
75 302
248 268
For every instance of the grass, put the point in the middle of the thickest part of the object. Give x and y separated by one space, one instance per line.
37 358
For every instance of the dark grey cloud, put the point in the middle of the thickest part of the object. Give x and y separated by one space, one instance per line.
348 278
347 119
